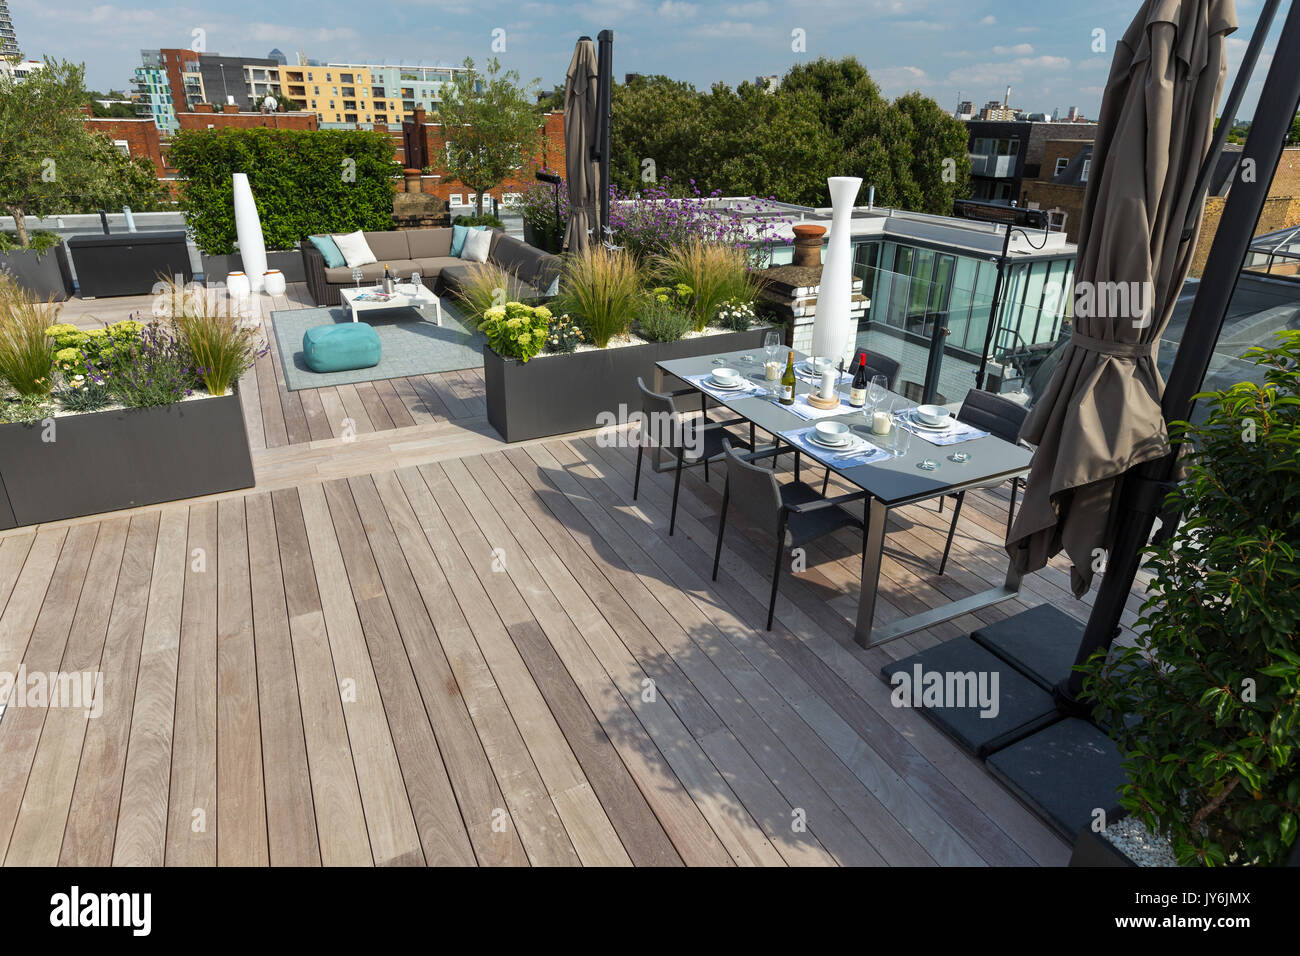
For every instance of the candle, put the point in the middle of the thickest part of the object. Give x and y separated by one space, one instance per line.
880 423
828 384
772 371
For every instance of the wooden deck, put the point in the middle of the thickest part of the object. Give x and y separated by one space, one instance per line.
426 647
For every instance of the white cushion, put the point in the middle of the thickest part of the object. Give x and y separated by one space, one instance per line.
477 243
355 249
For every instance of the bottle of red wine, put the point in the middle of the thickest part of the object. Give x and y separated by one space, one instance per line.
858 390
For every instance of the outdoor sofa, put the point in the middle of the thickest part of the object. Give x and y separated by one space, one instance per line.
428 251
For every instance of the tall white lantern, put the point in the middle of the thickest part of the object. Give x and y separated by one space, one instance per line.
248 229
835 295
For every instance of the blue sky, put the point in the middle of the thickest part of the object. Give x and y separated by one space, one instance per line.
975 48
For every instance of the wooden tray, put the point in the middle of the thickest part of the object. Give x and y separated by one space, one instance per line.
816 401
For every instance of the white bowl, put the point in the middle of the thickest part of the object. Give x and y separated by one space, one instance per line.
726 375
833 433
933 414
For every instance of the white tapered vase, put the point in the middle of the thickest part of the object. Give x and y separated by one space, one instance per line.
248 230
835 295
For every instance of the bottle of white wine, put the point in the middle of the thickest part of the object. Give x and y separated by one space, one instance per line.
787 382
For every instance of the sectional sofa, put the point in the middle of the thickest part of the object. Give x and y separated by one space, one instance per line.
428 251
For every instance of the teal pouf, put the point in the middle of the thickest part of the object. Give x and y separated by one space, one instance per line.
339 348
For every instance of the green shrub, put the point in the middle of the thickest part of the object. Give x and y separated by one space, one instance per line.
83 395
26 356
23 409
155 369
39 242
602 289
1213 760
74 347
564 336
485 285
663 316
516 330
487 219
717 273
304 181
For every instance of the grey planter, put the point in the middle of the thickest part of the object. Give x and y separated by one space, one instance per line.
47 275
104 461
1093 849
557 394
216 268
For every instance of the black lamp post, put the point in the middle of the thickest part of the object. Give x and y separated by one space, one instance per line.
554 180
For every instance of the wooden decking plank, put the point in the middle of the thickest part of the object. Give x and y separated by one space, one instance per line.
513 721
354 411
13 554
446 393
290 814
87 837
241 796
374 406
393 404
339 817
394 838
318 420
38 830
268 394
142 811
413 401
192 806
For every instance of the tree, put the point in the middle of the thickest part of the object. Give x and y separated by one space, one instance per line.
938 161
1293 137
52 162
490 127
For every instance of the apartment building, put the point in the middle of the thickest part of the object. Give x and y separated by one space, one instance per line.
8 38
351 93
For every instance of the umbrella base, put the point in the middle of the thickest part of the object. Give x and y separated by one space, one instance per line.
1041 643
1065 773
999 714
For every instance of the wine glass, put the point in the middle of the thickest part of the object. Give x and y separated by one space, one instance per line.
356 275
415 281
876 391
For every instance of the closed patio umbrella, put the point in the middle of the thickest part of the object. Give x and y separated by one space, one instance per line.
581 171
1100 415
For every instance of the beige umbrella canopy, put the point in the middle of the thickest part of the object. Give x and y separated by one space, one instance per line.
1100 414
582 174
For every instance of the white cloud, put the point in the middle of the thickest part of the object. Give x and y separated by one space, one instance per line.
988 21
746 11
1020 49
900 78
929 26
724 29
1044 63
677 10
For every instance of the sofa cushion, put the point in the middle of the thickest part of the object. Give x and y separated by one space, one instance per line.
336 348
372 272
431 266
458 234
329 251
515 257
428 243
477 244
356 251
388 246
453 277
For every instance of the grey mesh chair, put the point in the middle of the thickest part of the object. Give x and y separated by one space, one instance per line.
1001 418
793 512
689 441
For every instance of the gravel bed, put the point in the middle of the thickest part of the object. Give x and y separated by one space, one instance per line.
1131 837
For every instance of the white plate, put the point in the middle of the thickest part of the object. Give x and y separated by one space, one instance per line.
928 427
836 446
731 387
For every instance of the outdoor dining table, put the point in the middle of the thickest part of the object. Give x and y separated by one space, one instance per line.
889 483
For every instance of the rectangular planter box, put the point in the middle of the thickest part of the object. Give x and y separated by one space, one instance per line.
1093 849
216 268
557 394
46 275
129 263
104 461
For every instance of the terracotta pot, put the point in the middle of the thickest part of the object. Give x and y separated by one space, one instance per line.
808 245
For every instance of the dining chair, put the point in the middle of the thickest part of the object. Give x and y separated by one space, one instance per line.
794 512
690 441
1001 418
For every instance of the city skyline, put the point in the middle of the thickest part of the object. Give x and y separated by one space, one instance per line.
946 49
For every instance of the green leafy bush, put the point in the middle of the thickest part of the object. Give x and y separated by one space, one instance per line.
73 347
487 219
155 369
1213 759
516 330
602 289
40 242
304 181
220 349
23 409
83 395
564 336
663 316
26 358
485 285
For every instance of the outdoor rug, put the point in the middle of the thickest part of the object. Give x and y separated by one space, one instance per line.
412 344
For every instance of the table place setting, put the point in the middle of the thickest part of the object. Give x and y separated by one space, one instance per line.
936 425
724 383
835 443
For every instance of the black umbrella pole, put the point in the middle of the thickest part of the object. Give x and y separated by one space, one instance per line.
1141 494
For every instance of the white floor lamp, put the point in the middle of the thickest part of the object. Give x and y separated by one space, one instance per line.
248 229
835 295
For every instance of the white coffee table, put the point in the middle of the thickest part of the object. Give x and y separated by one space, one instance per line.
404 296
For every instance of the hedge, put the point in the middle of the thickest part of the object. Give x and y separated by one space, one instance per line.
302 181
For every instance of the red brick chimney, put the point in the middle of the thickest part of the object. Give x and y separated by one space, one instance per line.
230 108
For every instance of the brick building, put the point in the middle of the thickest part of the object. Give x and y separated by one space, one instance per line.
204 116
135 137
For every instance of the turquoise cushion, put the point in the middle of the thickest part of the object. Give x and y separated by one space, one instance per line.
338 348
333 258
458 234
